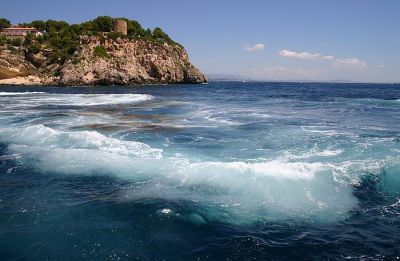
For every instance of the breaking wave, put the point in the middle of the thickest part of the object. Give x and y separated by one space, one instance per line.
76 99
98 99
308 173
19 93
237 192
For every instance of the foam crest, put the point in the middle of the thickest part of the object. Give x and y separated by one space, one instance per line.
78 99
100 99
19 93
248 192
315 153
42 136
235 192
275 169
238 192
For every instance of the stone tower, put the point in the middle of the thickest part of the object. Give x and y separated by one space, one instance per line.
121 26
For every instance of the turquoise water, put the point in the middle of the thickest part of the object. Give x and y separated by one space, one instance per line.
219 171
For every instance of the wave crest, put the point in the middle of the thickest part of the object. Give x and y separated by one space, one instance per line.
45 137
236 192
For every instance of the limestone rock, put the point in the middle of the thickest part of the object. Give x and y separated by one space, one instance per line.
127 62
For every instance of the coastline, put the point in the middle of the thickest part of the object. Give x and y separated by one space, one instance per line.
36 81
22 81
128 62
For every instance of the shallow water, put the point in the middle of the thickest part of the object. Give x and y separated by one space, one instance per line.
220 171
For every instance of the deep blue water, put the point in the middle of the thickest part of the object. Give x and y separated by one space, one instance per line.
225 171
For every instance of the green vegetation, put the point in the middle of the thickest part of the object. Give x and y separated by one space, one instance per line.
12 49
100 51
159 35
4 23
75 61
3 40
34 48
103 24
16 42
63 39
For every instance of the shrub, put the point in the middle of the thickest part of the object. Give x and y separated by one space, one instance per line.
34 48
57 73
12 49
3 40
115 36
29 38
100 51
40 39
75 61
16 42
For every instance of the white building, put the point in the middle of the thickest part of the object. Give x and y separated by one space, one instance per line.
20 32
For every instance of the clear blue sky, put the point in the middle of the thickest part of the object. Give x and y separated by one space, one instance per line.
356 40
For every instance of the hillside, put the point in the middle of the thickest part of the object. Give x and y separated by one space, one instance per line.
91 54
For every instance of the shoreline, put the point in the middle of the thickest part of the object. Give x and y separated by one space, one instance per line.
38 82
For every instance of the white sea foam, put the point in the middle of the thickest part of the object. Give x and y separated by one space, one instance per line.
78 99
19 93
229 187
315 153
99 99
221 120
238 192
276 169
45 137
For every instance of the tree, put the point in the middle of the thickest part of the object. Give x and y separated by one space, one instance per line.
28 39
39 24
55 26
159 34
4 23
135 28
87 27
148 33
76 28
103 24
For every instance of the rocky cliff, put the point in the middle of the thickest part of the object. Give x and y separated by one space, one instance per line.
101 61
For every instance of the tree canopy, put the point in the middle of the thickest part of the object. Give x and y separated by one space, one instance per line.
63 38
4 23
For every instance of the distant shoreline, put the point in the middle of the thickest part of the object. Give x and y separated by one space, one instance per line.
301 82
20 81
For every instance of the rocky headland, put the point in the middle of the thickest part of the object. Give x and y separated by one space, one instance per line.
98 60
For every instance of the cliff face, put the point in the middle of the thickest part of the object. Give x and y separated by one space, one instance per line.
129 62
120 62
13 64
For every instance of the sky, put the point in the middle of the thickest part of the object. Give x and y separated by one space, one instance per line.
318 40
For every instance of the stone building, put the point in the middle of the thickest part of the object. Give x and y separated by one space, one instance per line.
121 26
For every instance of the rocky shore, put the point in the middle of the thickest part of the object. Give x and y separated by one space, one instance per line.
100 61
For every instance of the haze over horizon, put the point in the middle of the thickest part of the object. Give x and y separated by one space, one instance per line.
260 40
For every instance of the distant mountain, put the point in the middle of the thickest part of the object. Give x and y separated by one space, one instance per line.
226 77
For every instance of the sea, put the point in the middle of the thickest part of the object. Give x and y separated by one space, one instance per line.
223 171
